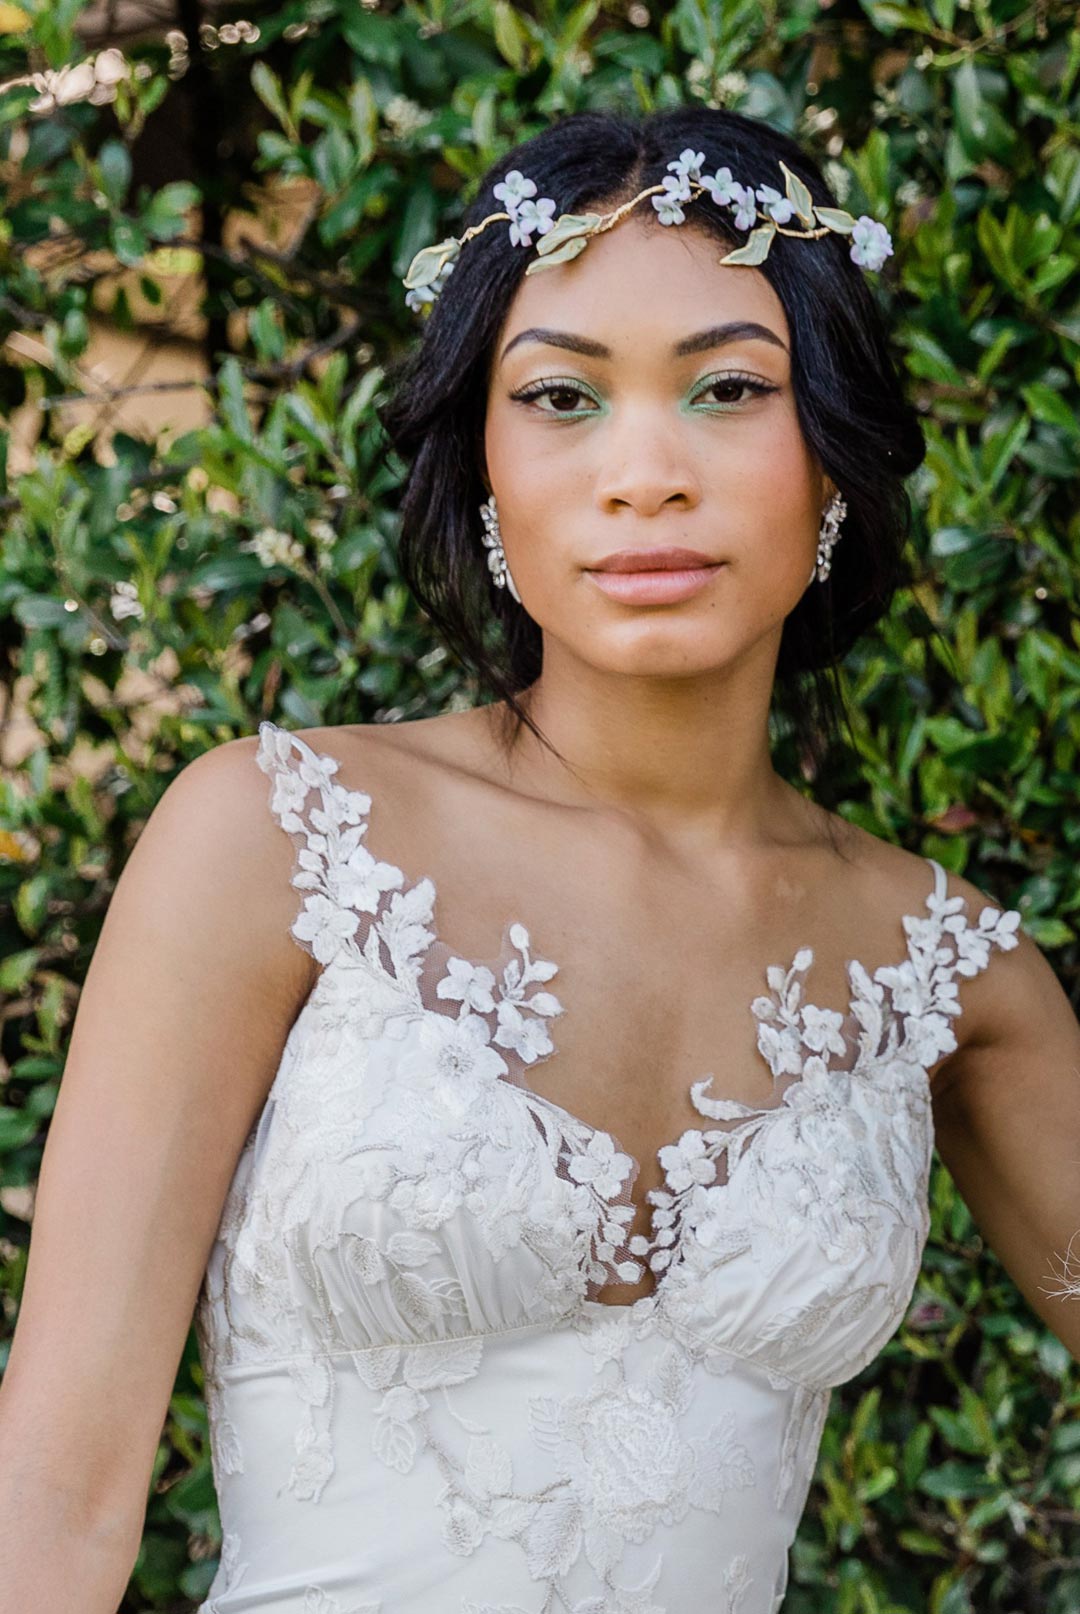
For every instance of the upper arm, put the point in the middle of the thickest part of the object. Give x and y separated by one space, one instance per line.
1007 1123
190 994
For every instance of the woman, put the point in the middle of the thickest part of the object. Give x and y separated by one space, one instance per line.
541 1125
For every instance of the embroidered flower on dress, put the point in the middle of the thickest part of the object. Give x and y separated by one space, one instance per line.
468 984
687 1161
601 1165
452 1060
628 1468
525 1034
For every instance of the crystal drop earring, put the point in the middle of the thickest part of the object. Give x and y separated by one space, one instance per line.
492 540
832 516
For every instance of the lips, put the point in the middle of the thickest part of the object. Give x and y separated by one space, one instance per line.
667 559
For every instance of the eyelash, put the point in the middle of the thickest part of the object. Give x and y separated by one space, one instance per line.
540 389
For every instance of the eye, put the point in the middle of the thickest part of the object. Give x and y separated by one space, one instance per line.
565 394
553 389
734 383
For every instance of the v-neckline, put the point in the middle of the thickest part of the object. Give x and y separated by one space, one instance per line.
779 979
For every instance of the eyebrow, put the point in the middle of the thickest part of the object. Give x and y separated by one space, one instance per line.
713 336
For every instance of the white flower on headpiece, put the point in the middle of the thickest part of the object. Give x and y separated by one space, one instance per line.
720 186
531 216
688 163
871 243
742 200
776 206
514 190
667 206
419 295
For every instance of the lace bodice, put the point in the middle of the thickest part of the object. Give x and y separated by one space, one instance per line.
417 1403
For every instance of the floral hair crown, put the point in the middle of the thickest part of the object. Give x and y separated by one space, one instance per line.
562 239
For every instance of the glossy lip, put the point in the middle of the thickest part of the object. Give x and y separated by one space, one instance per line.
662 587
668 558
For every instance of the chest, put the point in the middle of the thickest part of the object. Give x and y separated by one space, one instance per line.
400 1187
655 963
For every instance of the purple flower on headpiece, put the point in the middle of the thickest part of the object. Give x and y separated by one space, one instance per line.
676 190
531 216
514 189
871 243
688 164
720 186
778 207
742 200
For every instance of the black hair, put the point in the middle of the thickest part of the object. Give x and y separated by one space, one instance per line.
848 394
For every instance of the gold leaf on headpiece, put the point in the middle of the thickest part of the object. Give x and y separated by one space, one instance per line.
429 262
568 250
798 196
836 218
567 227
757 246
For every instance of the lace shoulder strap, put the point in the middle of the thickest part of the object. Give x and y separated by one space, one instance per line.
943 945
353 902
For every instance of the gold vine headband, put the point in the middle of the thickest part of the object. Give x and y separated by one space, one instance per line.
562 239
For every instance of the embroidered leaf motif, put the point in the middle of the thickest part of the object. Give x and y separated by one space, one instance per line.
418 1302
553 1538
377 1367
410 1249
311 1376
394 1443
365 1258
488 1467
463 1528
227 1444
452 1361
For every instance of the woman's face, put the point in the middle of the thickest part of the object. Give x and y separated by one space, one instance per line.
601 435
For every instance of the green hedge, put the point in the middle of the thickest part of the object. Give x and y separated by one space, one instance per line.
142 622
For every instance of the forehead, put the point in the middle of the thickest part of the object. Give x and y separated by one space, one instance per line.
644 283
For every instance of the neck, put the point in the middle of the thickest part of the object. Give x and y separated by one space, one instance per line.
673 754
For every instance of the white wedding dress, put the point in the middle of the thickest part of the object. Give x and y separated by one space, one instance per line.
417 1405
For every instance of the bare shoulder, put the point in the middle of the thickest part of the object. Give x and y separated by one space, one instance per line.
1016 984
1012 1002
1016 988
406 761
214 820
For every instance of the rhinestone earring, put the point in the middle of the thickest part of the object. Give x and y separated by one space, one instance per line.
832 516
492 540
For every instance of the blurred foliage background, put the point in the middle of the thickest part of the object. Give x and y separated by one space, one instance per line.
207 210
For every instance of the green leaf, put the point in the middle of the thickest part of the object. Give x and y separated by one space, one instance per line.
114 169
164 218
570 248
837 219
957 1481
511 39
17 970
981 128
267 86
567 227
997 452
1050 407
798 196
756 248
129 240
16 1129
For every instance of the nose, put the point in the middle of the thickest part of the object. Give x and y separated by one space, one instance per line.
646 464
